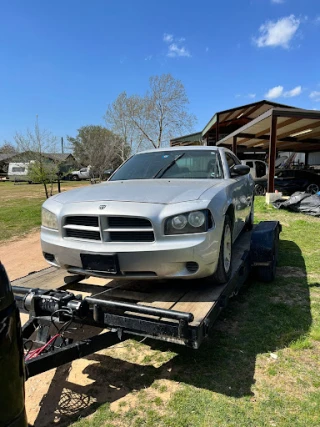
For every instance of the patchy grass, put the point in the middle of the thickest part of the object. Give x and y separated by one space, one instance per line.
21 207
258 367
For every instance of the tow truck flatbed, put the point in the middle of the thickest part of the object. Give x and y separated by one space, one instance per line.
181 312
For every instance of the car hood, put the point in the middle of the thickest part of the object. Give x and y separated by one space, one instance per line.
140 191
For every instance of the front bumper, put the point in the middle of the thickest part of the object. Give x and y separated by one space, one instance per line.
157 260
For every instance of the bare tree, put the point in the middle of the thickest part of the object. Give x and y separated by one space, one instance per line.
98 147
33 147
7 148
118 118
154 118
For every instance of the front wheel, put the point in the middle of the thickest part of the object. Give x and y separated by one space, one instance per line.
259 190
223 273
74 178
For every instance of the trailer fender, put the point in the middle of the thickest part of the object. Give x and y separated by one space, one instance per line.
264 249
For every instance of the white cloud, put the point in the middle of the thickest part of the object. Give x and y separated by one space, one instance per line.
207 49
315 95
252 95
168 38
275 92
148 58
278 33
175 50
277 1
293 92
176 47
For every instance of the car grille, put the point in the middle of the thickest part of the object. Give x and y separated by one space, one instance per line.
108 228
88 221
128 222
83 234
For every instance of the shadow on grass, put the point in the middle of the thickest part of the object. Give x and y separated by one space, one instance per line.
263 318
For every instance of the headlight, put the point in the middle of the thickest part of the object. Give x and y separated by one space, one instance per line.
196 219
179 222
49 219
189 222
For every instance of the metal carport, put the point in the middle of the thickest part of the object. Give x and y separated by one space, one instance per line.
284 129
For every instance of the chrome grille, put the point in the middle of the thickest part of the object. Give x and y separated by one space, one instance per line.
83 234
108 228
128 222
88 221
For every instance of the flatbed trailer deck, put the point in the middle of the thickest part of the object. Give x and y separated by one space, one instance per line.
181 312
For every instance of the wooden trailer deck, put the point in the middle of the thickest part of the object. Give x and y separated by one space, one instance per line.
197 296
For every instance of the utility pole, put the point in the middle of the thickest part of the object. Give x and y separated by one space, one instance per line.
62 145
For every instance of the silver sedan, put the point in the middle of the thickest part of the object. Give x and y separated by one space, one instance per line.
167 213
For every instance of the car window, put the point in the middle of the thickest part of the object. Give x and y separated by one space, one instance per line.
176 164
250 164
18 169
261 169
83 170
285 174
232 160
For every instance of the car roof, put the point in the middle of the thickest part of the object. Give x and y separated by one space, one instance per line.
189 148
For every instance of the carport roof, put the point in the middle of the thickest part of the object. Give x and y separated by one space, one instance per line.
296 130
246 112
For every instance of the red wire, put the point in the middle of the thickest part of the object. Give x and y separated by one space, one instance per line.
36 352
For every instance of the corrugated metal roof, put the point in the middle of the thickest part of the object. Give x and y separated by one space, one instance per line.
297 130
187 139
248 111
54 156
6 156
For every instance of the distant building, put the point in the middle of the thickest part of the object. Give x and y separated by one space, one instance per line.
66 160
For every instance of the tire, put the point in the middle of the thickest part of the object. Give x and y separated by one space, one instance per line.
250 222
259 190
224 269
312 188
75 178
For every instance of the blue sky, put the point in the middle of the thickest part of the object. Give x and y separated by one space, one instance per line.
67 60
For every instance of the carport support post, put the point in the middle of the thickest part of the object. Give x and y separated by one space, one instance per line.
272 153
234 145
217 130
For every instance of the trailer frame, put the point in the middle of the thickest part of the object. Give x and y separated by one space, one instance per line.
257 255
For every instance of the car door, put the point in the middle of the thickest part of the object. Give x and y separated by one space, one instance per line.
260 169
242 194
285 181
84 173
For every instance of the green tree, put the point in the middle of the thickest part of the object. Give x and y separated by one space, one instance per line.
98 147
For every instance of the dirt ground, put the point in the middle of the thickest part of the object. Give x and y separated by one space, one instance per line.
60 396
21 257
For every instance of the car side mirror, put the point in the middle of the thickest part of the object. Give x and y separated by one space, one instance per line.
239 170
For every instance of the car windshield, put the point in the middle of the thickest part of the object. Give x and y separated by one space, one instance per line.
177 164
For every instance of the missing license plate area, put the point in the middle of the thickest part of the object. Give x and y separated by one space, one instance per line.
104 263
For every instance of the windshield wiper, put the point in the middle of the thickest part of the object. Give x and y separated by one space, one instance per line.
164 169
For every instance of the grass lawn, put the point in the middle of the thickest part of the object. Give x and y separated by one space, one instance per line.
260 365
20 206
